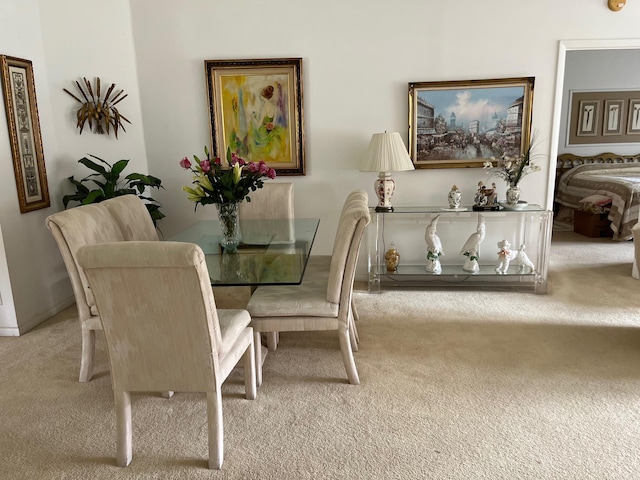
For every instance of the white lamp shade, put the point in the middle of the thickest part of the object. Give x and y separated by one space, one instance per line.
387 153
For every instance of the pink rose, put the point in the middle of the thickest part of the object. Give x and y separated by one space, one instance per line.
217 161
205 165
185 163
253 168
263 168
271 173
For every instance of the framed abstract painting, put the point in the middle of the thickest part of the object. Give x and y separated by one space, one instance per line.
256 111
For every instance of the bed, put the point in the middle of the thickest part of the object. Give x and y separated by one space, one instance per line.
608 174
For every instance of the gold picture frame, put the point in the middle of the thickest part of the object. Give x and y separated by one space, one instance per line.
461 124
24 133
256 111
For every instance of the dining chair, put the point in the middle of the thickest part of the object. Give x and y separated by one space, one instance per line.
132 216
322 301
274 201
118 219
163 330
319 265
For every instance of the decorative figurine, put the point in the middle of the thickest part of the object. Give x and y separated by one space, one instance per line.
523 260
454 197
486 198
392 259
471 248
434 247
505 255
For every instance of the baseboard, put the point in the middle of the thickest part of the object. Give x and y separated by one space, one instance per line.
46 315
9 332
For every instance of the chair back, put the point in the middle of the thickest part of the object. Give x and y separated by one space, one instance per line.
132 216
73 229
274 201
346 246
158 314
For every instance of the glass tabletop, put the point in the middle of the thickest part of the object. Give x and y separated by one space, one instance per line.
271 252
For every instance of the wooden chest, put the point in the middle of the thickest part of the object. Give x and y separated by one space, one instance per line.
592 225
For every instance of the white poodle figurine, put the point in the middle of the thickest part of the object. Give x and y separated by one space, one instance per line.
523 260
505 256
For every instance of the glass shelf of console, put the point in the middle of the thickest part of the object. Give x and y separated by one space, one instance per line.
526 228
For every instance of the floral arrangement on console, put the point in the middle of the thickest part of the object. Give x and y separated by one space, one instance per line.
214 183
512 169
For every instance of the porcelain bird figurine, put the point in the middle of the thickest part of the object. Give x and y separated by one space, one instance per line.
434 247
471 247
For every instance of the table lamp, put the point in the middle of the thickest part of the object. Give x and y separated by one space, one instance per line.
387 153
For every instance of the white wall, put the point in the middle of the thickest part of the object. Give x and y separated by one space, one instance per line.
65 41
358 58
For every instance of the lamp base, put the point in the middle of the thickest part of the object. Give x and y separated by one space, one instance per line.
384 186
384 209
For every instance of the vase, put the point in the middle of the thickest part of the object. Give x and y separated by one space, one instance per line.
228 215
454 198
513 195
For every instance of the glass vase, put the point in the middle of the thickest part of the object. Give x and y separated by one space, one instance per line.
228 216
513 195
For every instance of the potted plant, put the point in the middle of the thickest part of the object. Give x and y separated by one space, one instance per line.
107 183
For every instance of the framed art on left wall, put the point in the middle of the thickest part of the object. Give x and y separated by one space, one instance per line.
24 133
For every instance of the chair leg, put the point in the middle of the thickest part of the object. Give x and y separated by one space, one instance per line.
88 352
123 428
215 429
347 357
272 340
353 335
257 347
356 317
250 371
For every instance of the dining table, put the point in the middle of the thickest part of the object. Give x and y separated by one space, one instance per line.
270 251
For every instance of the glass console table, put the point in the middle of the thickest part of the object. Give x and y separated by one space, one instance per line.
405 228
271 252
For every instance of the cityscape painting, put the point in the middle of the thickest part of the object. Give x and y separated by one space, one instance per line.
463 123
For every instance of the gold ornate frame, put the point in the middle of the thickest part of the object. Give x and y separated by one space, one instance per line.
255 109
24 133
495 116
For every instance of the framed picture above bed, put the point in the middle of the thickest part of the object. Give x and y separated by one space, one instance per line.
603 117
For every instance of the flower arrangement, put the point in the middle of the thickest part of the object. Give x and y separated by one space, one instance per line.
214 183
511 169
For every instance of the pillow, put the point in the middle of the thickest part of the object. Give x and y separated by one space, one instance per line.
598 200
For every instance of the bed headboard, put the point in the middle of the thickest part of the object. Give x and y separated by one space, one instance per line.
567 161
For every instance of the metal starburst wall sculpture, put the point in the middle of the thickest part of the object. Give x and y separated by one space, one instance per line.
99 111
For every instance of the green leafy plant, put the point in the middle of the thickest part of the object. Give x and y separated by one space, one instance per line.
107 183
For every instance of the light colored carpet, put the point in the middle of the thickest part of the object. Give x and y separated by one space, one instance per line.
455 385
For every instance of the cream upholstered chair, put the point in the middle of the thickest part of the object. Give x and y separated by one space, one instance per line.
319 265
321 302
132 216
274 201
163 331
118 219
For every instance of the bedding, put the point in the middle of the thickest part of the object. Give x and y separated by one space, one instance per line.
620 182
